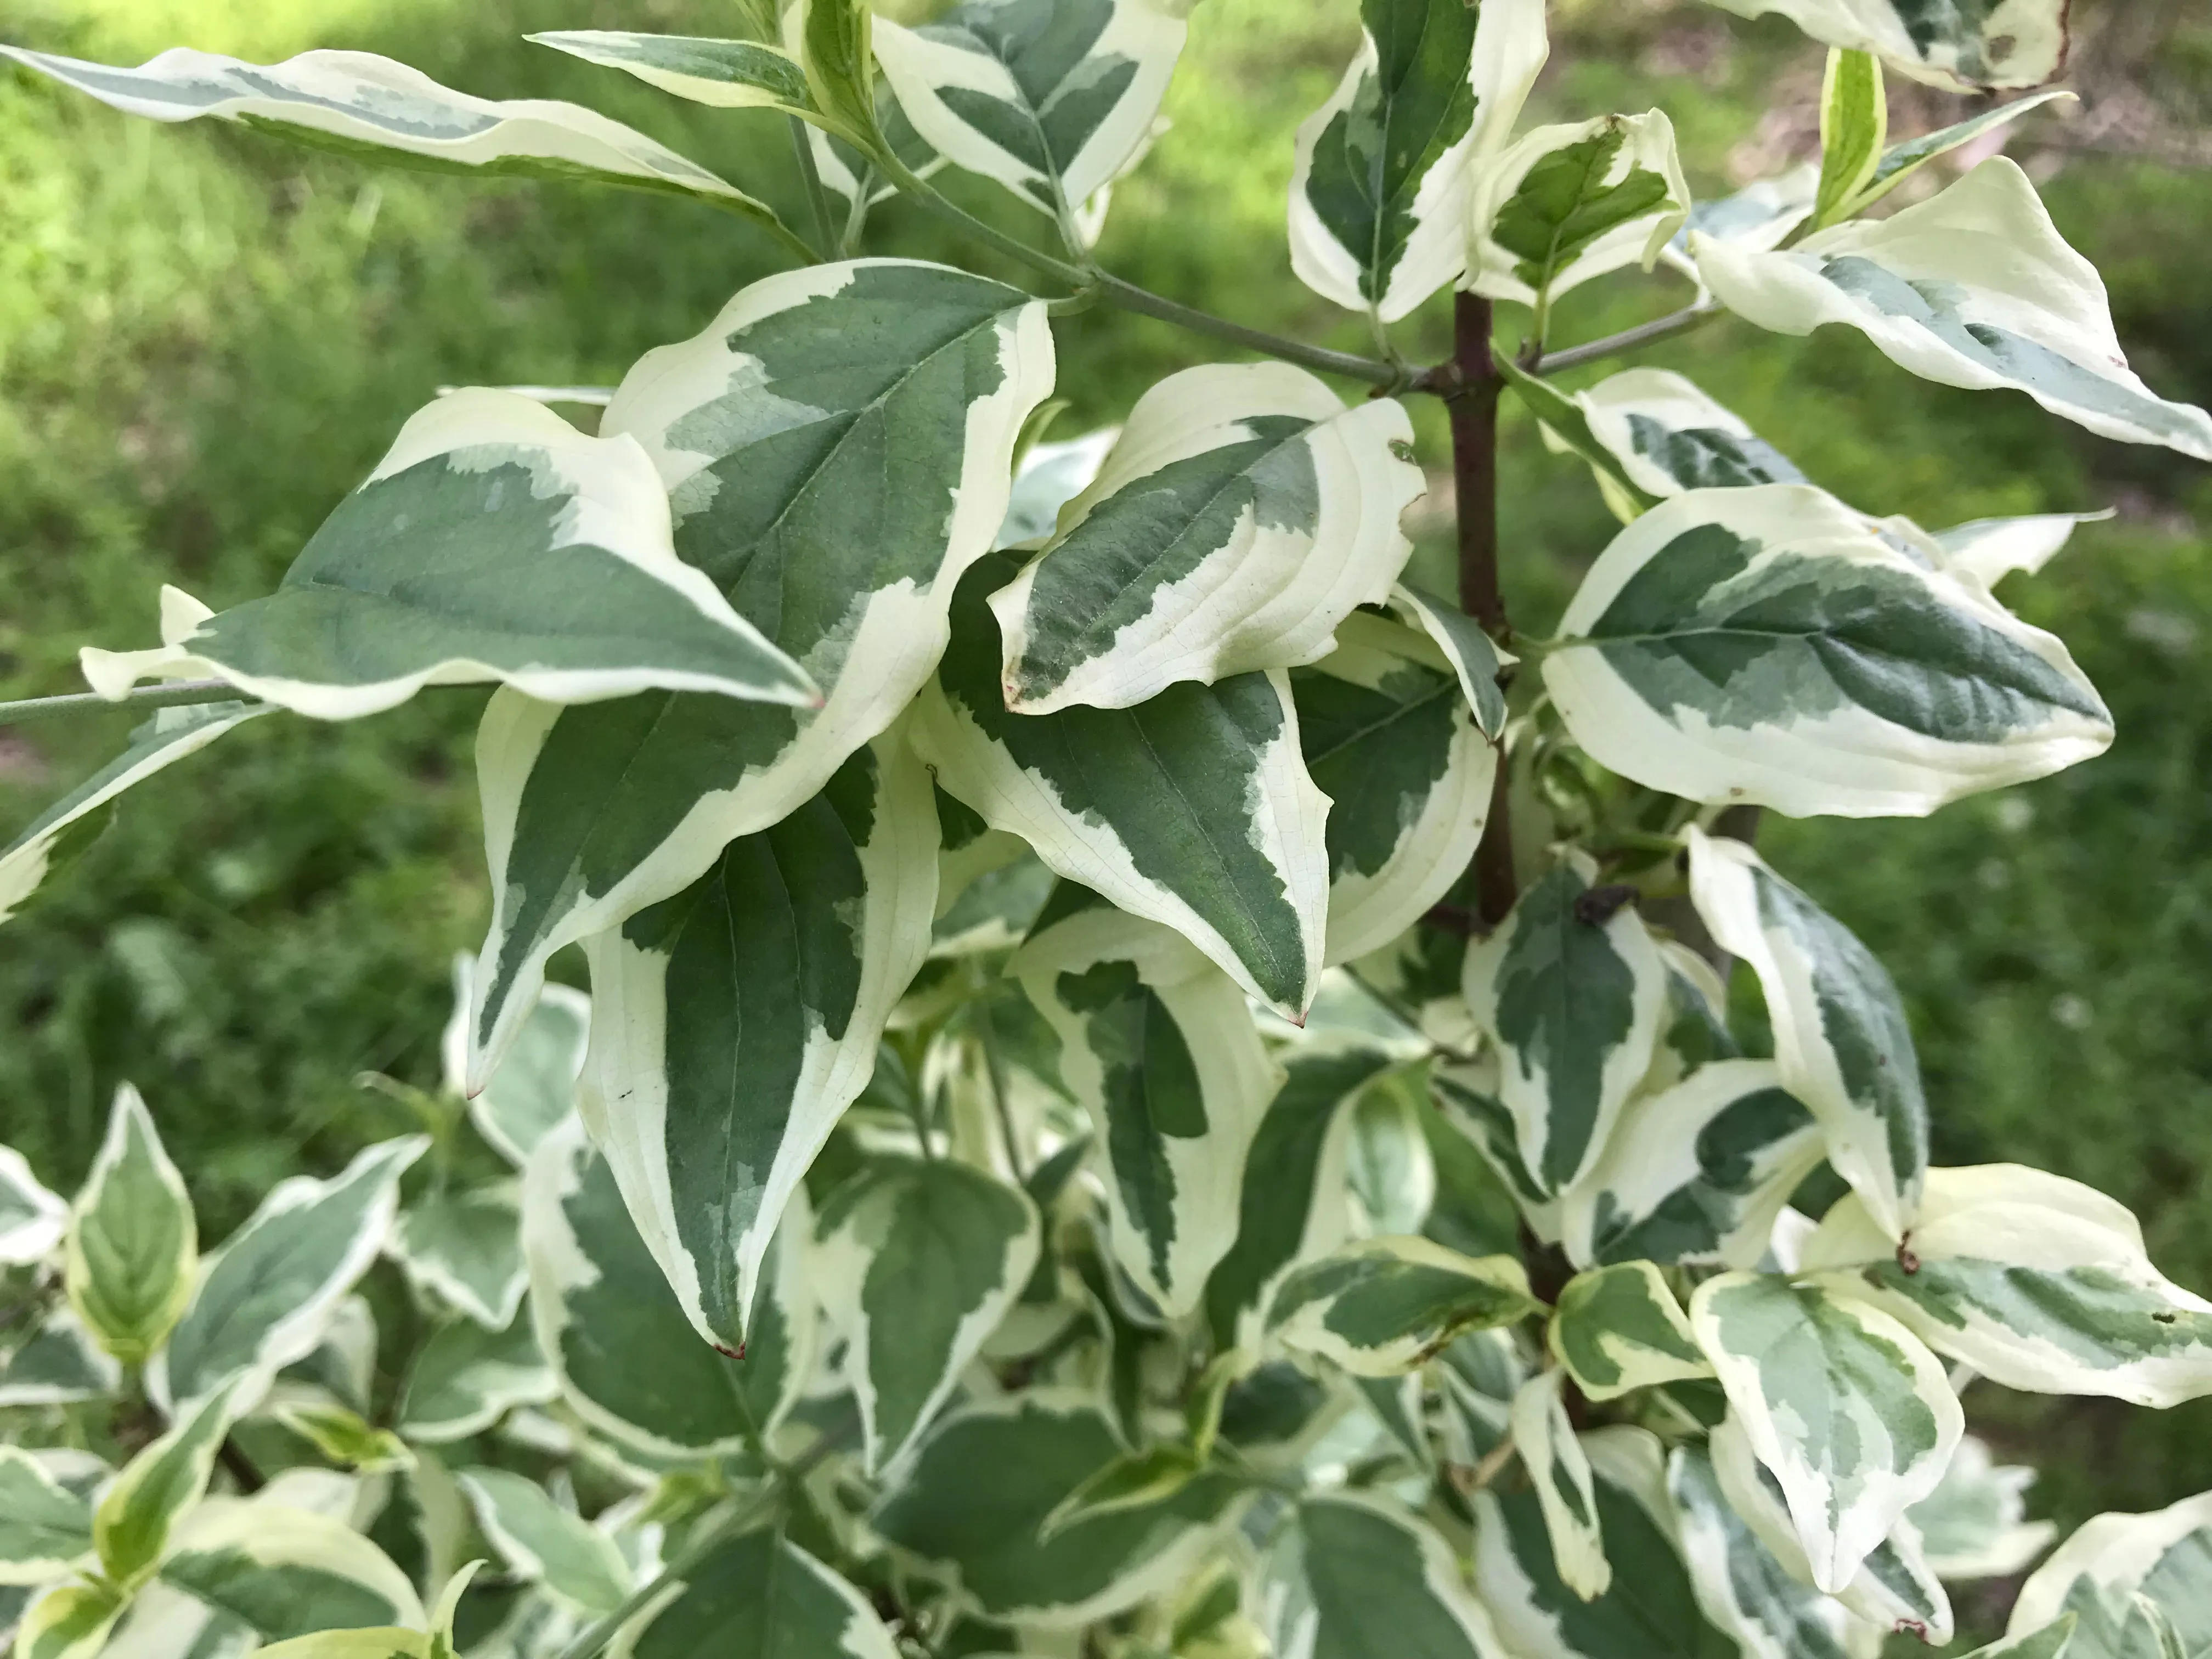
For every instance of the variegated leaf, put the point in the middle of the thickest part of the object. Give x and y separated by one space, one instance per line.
264 1298
2037 1282
734 1023
543 1543
772 429
973 1499
45 1529
59 1364
1918 285
1894 1589
463 1248
466 1378
1053 99
1768 645
1974 1525
1390 1176
1193 810
723 74
136 1514
761 1596
288 1572
343 1437
1853 1416
1565 1490
1962 47
1761 216
133 1241
1990 549
1243 513
70 1620
1385 169
1288 1213
1158 1046
1384 1305
1854 131
1695 1174
1051 476
494 542
1901 160
50 839
534 1086
627 1359
32 1218
1562 204
359 104
1352 1562
2053 1641
1390 737
1620 1328
1651 1609
1841 1040
916 1262
1474 657
2104 1574
1743 1589
1571 988
1669 436
1469 1094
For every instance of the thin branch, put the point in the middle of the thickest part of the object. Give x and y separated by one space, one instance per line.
1628 339
167 695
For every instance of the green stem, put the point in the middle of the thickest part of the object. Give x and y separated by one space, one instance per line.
818 198
997 1069
168 695
758 217
1628 339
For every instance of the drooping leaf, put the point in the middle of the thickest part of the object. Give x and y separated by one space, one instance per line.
1854 131
1158 1046
543 1543
59 1364
466 1378
723 74
287 1572
1740 1585
1841 1040
1852 1415
1353 1564
169 737
1385 169
1696 1173
626 1357
136 1516
1767 645
1193 810
1975 1525
1287 1213
1242 513
1566 1495
494 542
45 1529
1620 1328
774 430
2035 320
975 1498
761 1596
1384 1305
1390 737
1961 47
534 1087
1651 1609
2037 1282
1474 656
464 1248
132 1238
1053 99
917 1261
734 1023
1562 204
358 104
263 1300
2113 1564
1570 989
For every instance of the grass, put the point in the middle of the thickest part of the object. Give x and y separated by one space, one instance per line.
206 339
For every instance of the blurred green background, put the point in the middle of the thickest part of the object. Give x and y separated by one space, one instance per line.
205 338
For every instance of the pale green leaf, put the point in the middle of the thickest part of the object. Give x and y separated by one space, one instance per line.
264 1300
133 1240
1562 204
1851 1414
1571 988
1469 1094
1974 1525
1136 1481
344 1436
466 1378
1353 1565
769 428
1384 1305
1243 513
287 1572
32 1218
916 1262
734 1023
761 1596
45 1528
59 1364
1193 810
1390 1174
1560 1471
1767 645
2037 1282
1158 1046
494 542
387 1642
1385 169
1921 285
1854 129
132 1524
534 1086
1742 1587
543 1543
463 1248
724 74
835 42
1620 1328
1960 48
69 1621
2097 1576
